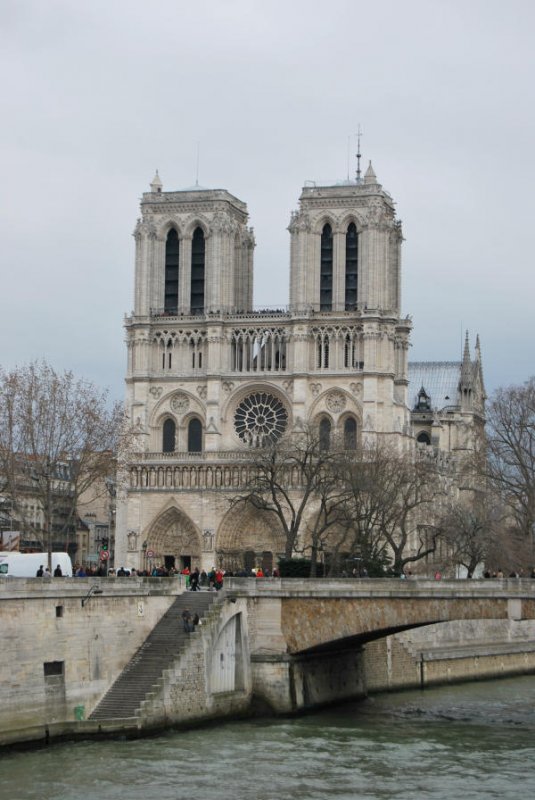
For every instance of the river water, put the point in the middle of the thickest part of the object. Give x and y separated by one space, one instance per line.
470 741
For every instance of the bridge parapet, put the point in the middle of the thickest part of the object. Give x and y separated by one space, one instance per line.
514 588
302 615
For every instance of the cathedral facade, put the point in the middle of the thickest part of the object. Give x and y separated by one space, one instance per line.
209 379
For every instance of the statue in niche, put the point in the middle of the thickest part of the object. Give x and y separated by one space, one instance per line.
207 540
132 541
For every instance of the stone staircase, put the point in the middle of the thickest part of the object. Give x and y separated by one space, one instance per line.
165 644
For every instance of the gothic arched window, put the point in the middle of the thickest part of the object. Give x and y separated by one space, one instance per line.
197 272
326 269
195 436
325 433
168 438
352 262
423 438
350 434
172 252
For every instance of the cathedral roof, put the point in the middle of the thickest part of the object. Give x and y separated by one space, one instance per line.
440 379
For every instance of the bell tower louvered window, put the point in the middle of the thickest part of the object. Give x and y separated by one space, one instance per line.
352 256
197 272
326 269
172 250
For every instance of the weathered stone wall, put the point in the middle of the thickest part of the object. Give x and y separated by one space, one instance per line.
387 665
292 644
450 652
327 678
84 648
193 690
310 623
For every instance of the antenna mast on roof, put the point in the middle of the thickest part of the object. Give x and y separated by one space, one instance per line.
359 134
197 168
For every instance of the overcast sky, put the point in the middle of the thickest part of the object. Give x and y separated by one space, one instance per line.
97 94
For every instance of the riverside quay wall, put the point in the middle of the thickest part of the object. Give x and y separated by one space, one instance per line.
63 645
287 645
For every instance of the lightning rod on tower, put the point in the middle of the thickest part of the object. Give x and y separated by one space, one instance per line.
359 134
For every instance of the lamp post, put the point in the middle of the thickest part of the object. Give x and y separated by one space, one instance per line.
144 548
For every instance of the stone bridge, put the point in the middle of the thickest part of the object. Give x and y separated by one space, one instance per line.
286 645
306 637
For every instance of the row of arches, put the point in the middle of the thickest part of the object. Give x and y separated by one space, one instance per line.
261 350
194 434
336 351
246 538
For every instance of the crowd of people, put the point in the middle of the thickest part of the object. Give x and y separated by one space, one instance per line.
197 579
44 572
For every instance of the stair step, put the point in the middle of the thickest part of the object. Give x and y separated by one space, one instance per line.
166 642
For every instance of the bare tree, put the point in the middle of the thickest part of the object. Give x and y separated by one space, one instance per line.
58 437
288 478
471 529
391 494
361 539
511 451
327 524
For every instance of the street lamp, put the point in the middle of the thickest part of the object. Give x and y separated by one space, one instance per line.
95 589
144 548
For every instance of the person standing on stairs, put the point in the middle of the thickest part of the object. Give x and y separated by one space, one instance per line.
187 621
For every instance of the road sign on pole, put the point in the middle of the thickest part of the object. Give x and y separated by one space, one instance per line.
104 555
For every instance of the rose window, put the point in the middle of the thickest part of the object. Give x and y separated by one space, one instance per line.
260 419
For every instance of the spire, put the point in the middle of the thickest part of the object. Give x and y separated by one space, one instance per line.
479 367
370 176
466 367
359 134
156 185
466 354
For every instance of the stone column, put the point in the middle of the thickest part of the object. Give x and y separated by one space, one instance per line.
184 276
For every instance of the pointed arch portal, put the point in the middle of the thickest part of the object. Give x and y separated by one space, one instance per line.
174 540
249 538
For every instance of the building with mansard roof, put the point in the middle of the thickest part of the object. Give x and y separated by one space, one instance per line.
209 379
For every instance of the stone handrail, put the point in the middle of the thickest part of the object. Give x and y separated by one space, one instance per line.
198 476
219 455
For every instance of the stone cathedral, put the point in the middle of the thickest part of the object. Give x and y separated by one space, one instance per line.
209 379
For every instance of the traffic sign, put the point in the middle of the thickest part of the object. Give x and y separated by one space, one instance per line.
150 553
104 555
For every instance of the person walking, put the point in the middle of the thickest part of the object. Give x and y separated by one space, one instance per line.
187 620
194 580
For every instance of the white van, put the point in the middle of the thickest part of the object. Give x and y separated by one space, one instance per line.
25 565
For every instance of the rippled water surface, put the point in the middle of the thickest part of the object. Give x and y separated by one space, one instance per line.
462 742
